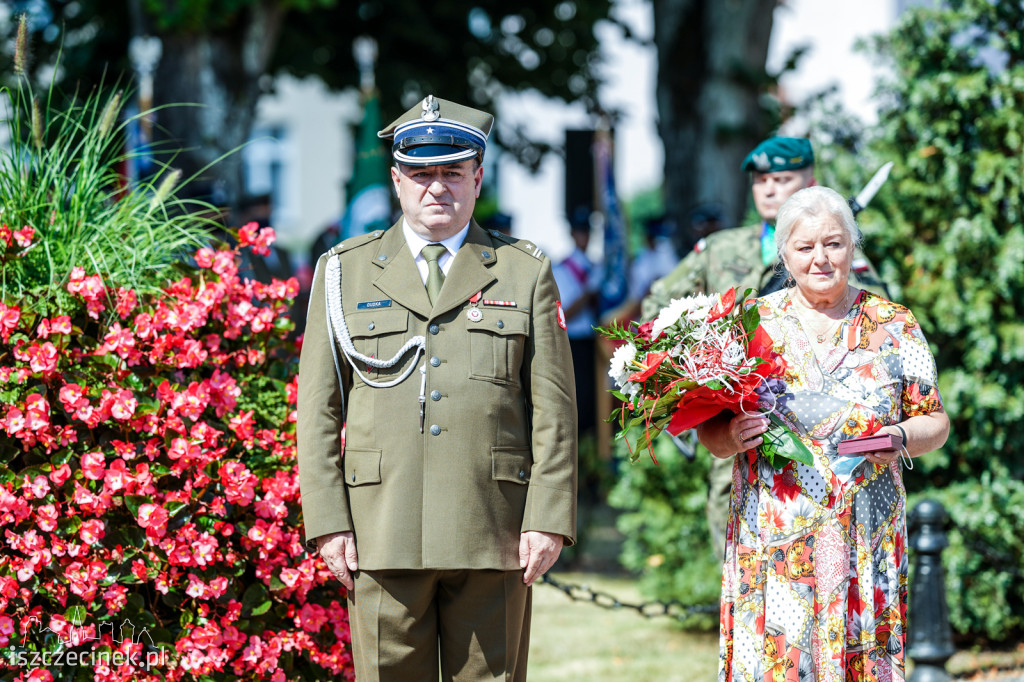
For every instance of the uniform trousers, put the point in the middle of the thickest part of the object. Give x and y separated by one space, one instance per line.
474 624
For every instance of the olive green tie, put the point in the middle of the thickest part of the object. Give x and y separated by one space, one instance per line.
435 278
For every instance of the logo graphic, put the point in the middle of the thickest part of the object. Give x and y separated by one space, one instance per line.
130 645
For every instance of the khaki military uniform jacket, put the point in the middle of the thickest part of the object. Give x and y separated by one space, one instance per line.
497 455
732 258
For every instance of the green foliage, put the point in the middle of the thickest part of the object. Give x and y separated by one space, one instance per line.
953 122
984 560
60 176
663 520
947 235
468 53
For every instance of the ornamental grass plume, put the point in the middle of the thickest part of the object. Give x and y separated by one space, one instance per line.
60 174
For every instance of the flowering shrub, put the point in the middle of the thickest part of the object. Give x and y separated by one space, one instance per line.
149 497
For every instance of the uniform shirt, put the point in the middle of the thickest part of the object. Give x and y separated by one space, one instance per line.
416 244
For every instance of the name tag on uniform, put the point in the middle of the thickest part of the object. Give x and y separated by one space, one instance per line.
363 305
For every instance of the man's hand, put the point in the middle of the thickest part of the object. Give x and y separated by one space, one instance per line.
339 553
538 552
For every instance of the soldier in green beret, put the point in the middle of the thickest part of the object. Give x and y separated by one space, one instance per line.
746 257
441 351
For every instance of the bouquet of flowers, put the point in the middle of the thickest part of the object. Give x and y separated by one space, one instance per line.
701 355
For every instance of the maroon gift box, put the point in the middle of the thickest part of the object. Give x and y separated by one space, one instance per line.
882 441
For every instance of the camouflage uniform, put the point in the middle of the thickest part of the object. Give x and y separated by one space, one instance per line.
724 259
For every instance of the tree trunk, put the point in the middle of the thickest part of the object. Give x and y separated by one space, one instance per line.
209 84
711 69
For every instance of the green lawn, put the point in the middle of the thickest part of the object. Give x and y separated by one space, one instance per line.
573 641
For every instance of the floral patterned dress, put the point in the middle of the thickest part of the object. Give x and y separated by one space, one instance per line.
815 577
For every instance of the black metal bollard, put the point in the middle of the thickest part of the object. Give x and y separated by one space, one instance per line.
930 638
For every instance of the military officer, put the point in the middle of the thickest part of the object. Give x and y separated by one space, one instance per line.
441 348
746 257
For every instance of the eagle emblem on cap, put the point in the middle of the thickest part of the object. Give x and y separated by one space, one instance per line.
761 161
431 110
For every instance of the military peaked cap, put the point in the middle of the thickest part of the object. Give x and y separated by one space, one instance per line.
436 132
780 154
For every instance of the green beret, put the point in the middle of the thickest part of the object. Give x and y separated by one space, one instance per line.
437 132
780 154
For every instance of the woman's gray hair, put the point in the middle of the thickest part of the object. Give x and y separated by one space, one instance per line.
813 201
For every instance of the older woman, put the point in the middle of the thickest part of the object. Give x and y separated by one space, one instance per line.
815 576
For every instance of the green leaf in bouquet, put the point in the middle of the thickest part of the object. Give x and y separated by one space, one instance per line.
781 444
750 319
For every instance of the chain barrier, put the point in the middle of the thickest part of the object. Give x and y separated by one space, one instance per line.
652 609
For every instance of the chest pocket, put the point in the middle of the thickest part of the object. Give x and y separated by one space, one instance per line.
380 334
497 343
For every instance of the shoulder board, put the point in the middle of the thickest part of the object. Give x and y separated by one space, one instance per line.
521 244
358 240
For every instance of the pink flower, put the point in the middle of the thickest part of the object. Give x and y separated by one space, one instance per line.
118 340
154 519
124 405
6 630
242 424
94 466
238 482
9 317
204 257
39 486
290 576
139 569
115 597
47 517
263 320
116 477
14 421
92 531
126 301
72 396
196 587
205 549
60 324
24 235
40 357
60 474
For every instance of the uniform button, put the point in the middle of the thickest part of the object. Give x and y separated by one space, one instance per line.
353 478
435 430
434 329
485 254
435 395
382 257
522 474
370 326
435 361
501 325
